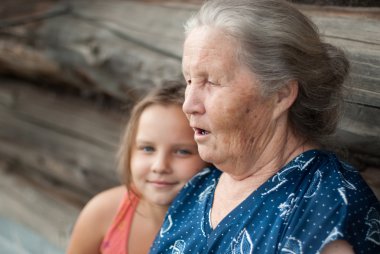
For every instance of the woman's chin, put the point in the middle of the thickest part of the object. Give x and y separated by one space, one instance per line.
206 154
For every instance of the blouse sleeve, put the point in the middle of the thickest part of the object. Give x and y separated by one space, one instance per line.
347 210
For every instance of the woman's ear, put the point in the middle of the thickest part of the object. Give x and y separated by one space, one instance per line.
285 97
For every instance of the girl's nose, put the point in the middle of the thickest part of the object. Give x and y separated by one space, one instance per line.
161 164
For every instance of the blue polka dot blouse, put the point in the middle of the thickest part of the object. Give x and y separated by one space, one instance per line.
313 200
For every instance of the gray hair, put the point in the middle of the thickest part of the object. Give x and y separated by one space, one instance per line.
278 43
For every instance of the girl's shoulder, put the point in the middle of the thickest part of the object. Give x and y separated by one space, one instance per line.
94 220
105 204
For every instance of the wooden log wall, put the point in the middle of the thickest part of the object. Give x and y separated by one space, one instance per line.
56 151
27 204
122 48
59 137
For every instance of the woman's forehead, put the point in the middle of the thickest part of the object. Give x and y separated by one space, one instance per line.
208 49
208 38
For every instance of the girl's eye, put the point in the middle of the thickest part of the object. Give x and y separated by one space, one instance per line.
183 152
147 149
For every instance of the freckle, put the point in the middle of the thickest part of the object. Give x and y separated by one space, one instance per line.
247 110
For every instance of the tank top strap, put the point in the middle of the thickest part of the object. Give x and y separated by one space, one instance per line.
117 235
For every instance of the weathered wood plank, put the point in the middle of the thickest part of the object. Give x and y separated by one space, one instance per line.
35 208
63 138
357 32
359 132
372 177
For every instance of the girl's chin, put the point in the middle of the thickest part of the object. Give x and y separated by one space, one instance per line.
161 201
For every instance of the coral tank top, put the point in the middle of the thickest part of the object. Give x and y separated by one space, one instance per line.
116 238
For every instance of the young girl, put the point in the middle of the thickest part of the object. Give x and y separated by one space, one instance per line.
158 156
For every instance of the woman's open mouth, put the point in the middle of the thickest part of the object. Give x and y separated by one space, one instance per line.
201 132
200 135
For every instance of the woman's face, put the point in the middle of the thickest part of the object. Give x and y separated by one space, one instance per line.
223 102
165 155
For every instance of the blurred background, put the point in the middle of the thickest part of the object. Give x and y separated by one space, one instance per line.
71 69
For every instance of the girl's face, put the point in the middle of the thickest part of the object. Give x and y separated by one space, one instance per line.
165 155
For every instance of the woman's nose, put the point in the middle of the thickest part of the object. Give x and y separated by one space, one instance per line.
161 164
193 101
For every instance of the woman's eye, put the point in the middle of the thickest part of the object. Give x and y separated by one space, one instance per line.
212 83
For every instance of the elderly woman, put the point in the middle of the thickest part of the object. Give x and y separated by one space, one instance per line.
262 96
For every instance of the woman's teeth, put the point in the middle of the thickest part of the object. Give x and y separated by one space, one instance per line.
203 132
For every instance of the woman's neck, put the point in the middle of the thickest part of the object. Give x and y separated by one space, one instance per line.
240 186
281 147
233 188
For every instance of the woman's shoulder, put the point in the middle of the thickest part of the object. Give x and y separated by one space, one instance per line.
341 173
330 176
323 175
325 163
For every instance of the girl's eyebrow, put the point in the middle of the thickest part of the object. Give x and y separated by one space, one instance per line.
142 141
185 144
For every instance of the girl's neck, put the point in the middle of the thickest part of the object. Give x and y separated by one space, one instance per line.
154 213
146 224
